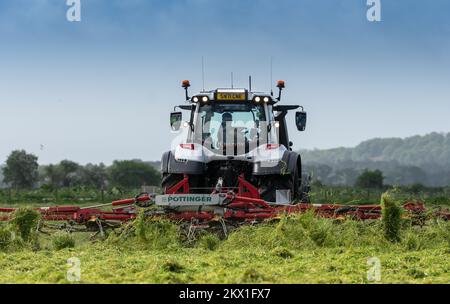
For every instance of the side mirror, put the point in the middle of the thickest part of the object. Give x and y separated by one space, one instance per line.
175 120
300 120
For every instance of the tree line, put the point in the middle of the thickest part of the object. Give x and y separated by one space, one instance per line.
22 171
417 159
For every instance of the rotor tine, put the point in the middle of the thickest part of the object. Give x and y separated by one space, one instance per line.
99 223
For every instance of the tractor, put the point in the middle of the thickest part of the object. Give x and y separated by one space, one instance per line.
232 136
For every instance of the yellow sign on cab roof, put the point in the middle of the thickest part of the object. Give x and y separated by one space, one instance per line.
230 96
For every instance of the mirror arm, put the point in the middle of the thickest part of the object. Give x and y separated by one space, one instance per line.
187 94
279 95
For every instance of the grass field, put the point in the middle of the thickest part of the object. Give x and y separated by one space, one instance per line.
299 249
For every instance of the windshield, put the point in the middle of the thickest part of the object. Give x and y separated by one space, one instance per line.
246 118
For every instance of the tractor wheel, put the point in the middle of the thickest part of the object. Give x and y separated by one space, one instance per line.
270 184
296 186
304 197
305 189
169 180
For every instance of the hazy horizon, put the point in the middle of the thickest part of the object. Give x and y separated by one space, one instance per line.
102 89
306 149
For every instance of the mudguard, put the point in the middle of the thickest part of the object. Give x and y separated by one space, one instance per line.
170 165
165 162
287 165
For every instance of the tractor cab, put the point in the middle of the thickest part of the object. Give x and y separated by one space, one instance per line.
236 119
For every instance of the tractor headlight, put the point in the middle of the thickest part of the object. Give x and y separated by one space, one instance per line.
200 98
257 99
266 99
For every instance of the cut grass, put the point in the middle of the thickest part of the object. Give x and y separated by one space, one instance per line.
296 249
100 264
63 240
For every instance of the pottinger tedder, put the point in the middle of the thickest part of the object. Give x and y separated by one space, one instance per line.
224 206
234 164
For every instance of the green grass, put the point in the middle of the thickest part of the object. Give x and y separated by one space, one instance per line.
355 196
320 194
105 264
65 196
298 249
63 240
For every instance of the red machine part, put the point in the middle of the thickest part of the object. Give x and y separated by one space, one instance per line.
245 205
183 185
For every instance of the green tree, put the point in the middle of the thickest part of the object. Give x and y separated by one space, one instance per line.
132 174
21 170
416 189
53 176
94 176
370 180
69 171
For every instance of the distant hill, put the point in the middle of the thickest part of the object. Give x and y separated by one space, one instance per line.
417 159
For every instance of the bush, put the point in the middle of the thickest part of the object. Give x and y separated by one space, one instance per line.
24 221
63 240
391 218
6 237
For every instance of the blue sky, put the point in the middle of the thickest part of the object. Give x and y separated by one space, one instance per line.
101 89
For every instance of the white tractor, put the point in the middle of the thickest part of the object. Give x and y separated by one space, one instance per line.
234 136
